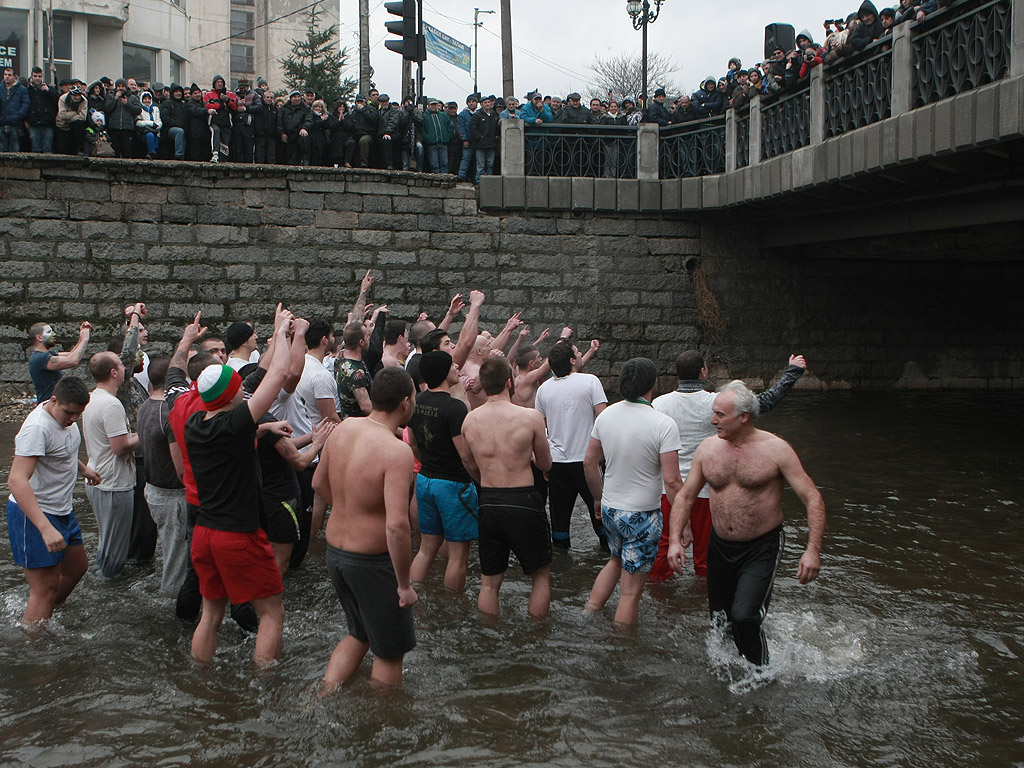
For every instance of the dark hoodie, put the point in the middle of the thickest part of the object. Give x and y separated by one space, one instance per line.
865 34
708 100
172 110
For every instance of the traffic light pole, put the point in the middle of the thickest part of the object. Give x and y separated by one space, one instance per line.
419 68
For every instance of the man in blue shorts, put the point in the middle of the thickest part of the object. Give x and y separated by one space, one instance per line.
640 448
445 494
45 538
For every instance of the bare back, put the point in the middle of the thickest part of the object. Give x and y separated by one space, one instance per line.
746 484
503 438
363 461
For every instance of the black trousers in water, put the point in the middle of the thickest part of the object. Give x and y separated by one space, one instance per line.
144 533
567 480
741 575
305 512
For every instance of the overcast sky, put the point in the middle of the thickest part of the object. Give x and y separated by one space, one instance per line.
557 41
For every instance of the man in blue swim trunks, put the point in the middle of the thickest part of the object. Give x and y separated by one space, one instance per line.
45 538
640 448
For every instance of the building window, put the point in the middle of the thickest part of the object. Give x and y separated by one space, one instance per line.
61 48
139 63
13 39
175 73
242 24
242 59
243 2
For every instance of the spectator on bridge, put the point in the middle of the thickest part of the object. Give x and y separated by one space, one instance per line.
811 57
316 128
175 120
573 113
596 111
511 111
780 73
657 112
292 119
198 138
683 111
121 108
837 44
732 75
148 124
265 131
462 127
869 29
250 104
72 117
742 93
388 132
42 112
708 101
220 104
363 126
437 134
556 106
454 143
483 133
913 11
535 110
633 115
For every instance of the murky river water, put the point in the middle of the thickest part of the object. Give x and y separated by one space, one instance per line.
905 652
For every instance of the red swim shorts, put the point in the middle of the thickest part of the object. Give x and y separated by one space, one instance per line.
238 566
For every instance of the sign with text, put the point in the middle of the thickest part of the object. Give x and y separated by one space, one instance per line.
10 50
447 48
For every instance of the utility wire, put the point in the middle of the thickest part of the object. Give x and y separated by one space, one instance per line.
258 26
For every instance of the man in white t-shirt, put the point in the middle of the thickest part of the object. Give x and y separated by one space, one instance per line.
111 448
569 403
640 448
44 534
241 340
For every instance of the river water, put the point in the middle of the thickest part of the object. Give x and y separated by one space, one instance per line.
905 652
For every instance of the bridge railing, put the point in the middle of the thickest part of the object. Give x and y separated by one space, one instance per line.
967 45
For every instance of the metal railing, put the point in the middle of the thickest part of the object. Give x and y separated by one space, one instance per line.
965 47
601 151
743 139
695 148
858 90
786 122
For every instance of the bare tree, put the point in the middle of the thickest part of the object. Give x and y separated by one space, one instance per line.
623 75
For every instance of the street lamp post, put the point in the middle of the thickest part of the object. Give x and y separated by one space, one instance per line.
642 14
476 46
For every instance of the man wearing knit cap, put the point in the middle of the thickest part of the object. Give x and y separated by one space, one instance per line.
240 340
640 449
230 552
445 494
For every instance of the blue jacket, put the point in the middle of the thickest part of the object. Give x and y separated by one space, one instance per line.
530 115
658 113
462 125
13 108
708 102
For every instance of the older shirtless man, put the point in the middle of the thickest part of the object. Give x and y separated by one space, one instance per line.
367 473
501 439
745 468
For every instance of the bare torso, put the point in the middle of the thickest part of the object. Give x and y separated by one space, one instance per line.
475 395
526 391
502 437
746 485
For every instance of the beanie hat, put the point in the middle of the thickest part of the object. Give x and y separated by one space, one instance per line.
237 334
217 385
637 377
434 367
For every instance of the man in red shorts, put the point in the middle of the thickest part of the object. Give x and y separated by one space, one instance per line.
230 552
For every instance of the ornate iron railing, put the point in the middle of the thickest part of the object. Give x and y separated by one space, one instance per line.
743 139
786 122
602 151
858 90
963 47
696 148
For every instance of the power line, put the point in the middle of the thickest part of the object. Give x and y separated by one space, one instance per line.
258 26
541 59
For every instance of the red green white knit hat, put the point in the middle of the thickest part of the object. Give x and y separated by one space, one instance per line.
217 385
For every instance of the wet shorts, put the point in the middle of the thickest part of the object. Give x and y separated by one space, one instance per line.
633 537
513 519
27 543
368 592
238 566
447 508
282 521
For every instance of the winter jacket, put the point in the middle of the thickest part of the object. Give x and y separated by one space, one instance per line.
148 120
865 34
292 118
42 109
13 105
683 114
483 129
96 101
69 112
390 121
610 119
338 131
708 101
364 121
657 112
531 115
265 123
462 126
437 128
225 102
121 115
573 115
173 114
197 120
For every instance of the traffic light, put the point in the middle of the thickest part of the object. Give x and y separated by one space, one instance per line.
412 46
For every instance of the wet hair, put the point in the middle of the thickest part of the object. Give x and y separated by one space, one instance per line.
432 341
354 333
199 362
494 374
157 371
71 390
744 400
637 377
560 358
525 355
393 330
689 365
390 387
418 331
101 364
35 330
319 327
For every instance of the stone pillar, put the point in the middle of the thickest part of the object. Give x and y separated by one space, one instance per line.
1017 37
647 151
730 140
818 106
902 70
513 147
755 130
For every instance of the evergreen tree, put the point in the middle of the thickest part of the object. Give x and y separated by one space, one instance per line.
316 62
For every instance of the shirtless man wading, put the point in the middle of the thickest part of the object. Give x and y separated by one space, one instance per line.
745 468
501 439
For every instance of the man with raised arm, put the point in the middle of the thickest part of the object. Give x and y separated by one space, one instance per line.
46 363
745 468
501 439
45 538
230 551
367 474
482 348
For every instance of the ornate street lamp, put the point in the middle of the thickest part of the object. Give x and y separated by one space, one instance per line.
642 14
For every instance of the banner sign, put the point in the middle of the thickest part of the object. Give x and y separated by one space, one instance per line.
9 53
446 48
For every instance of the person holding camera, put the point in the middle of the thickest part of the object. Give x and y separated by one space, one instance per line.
121 108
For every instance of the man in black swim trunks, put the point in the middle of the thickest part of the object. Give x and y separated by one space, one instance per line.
501 440
745 468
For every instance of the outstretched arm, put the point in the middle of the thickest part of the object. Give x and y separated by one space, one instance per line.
64 360
585 357
454 308
467 336
359 310
774 394
501 340
269 388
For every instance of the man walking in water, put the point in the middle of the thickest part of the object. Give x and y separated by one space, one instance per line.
366 472
745 468
501 439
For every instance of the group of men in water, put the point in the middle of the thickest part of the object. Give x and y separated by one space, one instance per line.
403 428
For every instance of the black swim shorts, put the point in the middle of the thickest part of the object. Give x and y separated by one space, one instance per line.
513 519
282 521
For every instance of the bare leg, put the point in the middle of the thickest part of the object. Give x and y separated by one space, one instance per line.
204 640
72 569
268 636
429 544
414 514
319 513
604 584
386 673
487 602
43 587
540 594
629 597
458 564
345 660
282 554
